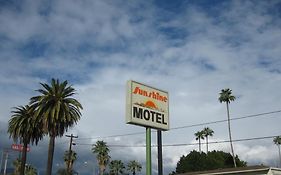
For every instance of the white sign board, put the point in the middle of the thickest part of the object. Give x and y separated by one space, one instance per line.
147 106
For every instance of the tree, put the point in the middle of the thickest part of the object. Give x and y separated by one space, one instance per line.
102 152
17 166
134 166
196 161
226 96
277 141
30 170
57 110
199 135
116 167
207 132
62 171
73 157
23 127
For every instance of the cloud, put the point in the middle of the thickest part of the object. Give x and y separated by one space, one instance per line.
192 51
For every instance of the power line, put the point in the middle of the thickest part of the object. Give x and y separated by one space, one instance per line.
187 126
221 121
188 144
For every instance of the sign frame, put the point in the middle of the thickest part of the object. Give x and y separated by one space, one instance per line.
147 106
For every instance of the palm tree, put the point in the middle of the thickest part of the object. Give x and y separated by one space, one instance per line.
277 141
102 152
73 157
30 170
116 167
62 171
58 111
23 127
207 132
17 166
226 96
199 135
134 166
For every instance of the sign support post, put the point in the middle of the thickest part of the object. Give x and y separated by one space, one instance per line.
148 107
148 151
160 158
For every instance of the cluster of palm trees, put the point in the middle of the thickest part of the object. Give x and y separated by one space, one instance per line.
201 135
51 113
116 167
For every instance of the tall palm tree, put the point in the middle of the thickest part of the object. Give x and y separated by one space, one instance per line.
24 128
277 141
116 167
134 166
58 111
102 152
73 157
226 96
207 132
199 135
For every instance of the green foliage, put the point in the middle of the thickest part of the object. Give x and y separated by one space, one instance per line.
61 171
196 161
57 110
23 127
17 164
30 170
207 132
116 167
134 166
199 135
226 95
72 155
102 152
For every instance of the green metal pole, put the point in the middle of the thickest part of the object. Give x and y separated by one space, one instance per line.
148 151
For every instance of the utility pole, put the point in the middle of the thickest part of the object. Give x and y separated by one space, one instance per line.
70 152
1 162
6 161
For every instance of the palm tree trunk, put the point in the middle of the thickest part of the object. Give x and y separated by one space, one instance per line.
50 155
199 145
279 155
207 144
229 132
23 158
102 168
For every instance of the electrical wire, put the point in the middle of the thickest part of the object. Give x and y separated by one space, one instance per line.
187 144
186 126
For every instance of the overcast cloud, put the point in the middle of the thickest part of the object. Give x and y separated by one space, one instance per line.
192 49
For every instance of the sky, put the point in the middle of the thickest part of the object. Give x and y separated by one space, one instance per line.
191 49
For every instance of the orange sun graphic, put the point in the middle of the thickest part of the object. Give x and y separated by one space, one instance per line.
150 104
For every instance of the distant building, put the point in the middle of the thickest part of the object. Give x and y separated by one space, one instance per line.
250 170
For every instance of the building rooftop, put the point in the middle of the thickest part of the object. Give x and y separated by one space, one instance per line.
250 170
